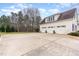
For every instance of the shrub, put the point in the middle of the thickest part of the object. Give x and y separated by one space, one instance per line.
37 30
77 31
74 33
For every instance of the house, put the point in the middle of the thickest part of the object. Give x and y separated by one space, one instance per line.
61 23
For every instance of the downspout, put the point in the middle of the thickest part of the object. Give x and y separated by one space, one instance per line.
77 20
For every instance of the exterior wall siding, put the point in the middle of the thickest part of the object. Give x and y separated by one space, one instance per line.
60 27
78 24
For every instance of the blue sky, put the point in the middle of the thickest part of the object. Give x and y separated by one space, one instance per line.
46 9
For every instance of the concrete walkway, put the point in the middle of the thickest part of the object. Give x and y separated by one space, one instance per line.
39 44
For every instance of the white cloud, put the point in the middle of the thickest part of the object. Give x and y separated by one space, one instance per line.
14 8
63 5
71 5
42 10
17 7
53 11
8 11
48 12
21 6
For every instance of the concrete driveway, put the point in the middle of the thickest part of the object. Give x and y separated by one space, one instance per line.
39 44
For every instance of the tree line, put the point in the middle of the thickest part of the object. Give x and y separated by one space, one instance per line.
26 20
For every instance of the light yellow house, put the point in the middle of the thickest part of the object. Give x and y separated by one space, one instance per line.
61 23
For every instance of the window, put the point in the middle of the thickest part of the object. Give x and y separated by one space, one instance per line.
47 20
43 27
75 27
78 24
63 26
51 26
58 26
72 27
51 18
56 17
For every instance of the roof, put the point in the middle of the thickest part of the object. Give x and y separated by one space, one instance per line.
67 14
63 16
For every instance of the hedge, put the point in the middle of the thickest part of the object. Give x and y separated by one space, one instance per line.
74 33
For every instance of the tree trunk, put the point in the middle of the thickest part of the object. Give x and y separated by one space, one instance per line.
17 27
5 28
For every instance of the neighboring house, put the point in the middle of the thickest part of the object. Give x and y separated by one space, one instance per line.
61 23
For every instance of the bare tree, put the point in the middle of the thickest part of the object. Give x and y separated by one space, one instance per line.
20 20
34 17
29 21
14 21
26 23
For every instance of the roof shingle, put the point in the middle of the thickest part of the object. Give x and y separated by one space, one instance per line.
64 15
